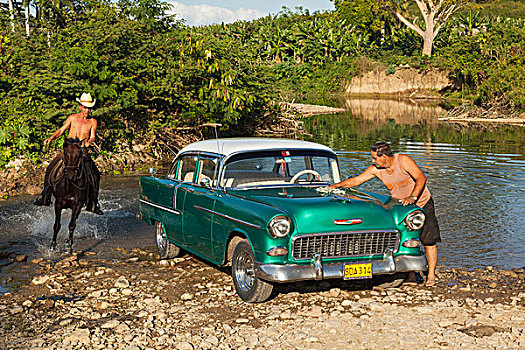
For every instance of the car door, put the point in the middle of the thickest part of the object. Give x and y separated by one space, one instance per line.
199 205
180 174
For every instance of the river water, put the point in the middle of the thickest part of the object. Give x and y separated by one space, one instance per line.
476 175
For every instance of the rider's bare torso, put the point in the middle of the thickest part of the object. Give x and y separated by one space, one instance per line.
79 126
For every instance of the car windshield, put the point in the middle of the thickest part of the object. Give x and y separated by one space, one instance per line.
280 168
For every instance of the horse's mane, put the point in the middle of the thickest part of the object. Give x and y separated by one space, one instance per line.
70 141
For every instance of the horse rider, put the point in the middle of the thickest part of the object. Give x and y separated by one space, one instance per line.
83 128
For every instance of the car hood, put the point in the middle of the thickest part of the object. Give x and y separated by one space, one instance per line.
315 212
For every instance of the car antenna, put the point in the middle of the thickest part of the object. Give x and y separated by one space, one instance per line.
215 125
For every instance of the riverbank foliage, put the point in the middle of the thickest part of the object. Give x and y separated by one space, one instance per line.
152 75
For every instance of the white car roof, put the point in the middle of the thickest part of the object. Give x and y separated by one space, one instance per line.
233 145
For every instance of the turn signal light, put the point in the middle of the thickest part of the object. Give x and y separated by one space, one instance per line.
277 251
412 243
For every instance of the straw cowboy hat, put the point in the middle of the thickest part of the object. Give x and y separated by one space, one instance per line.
86 100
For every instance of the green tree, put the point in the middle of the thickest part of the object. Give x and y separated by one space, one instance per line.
365 15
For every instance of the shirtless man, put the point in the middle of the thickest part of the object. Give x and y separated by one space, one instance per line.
407 183
83 128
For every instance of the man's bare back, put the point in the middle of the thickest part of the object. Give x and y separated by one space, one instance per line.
80 126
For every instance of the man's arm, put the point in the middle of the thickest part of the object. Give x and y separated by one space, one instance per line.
60 131
92 133
366 175
408 165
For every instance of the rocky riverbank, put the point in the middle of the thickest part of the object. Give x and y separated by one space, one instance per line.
134 301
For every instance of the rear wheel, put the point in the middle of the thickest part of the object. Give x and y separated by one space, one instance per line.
166 249
250 288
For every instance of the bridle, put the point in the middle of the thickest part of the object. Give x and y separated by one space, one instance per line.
78 169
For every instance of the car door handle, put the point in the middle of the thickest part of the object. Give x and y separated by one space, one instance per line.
190 190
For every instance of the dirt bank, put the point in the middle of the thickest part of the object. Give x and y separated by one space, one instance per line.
135 301
398 81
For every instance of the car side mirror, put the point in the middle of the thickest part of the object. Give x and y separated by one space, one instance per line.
152 171
205 182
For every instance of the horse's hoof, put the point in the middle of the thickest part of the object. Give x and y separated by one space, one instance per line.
42 202
98 211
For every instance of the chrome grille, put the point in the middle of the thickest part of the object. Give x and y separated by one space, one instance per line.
344 244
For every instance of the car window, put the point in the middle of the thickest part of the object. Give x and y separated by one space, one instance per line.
172 172
187 168
208 170
278 169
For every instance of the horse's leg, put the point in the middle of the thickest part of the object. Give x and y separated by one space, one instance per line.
75 212
56 226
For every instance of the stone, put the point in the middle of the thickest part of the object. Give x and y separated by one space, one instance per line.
446 323
110 324
335 292
121 282
346 302
101 305
49 304
375 306
66 322
311 339
95 294
122 328
38 280
20 258
184 346
186 297
80 335
212 340
16 310
315 311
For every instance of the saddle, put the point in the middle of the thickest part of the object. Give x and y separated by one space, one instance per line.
56 171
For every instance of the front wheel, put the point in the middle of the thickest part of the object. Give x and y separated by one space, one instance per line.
250 288
166 249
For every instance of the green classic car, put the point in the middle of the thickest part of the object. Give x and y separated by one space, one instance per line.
263 206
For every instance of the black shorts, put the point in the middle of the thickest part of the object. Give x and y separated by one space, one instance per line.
430 234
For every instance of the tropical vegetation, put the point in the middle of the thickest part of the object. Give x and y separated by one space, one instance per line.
153 76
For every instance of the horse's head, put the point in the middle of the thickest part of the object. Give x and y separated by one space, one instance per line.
72 158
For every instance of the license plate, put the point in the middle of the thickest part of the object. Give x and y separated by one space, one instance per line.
358 271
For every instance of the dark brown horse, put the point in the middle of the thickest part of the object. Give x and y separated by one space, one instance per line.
70 190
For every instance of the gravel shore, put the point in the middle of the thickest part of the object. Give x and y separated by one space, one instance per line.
134 301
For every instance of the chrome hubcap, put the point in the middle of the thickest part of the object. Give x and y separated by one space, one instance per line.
161 238
245 271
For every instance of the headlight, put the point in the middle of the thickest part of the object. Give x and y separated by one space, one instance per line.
279 226
415 220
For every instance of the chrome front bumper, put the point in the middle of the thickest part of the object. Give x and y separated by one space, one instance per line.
317 271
